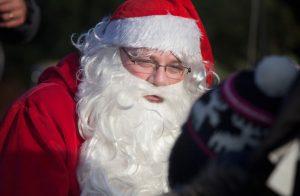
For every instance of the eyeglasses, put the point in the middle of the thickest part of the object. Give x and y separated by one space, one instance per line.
175 71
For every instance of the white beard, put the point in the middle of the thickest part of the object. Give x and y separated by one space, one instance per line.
129 138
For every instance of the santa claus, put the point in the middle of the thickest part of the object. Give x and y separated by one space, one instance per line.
140 71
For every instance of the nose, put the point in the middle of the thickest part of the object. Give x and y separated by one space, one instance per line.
159 77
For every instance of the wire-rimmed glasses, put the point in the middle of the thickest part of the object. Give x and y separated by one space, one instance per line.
173 71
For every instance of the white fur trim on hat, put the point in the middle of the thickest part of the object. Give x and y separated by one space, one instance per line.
164 32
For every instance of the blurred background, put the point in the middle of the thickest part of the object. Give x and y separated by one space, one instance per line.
240 32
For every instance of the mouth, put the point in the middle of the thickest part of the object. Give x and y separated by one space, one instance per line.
154 98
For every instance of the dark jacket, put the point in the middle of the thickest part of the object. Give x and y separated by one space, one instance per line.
21 34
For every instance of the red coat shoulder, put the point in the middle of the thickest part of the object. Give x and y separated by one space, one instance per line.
39 143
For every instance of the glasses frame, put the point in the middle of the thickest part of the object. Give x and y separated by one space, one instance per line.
131 58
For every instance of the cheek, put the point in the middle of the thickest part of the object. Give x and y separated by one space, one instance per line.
137 74
140 75
174 81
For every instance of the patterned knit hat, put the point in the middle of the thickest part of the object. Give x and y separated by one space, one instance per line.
229 122
167 25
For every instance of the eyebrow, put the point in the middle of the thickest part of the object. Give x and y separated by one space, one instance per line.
153 58
175 61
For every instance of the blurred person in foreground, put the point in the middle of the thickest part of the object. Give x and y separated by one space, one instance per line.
229 141
19 22
110 112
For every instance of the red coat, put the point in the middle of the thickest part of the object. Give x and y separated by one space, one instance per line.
39 139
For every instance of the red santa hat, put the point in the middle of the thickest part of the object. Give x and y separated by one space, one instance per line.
167 25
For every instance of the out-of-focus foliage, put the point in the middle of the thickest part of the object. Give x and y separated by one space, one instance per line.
227 26
228 23
63 18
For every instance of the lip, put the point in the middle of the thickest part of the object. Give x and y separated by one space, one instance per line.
154 98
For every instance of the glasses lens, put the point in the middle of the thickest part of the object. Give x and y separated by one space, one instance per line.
175 72
148 67
144 66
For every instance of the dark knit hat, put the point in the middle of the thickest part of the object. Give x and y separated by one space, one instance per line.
228 123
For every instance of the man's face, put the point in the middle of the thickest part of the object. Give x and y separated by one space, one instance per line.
157 68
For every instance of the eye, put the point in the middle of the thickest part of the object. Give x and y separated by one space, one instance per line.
174 69
144 63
